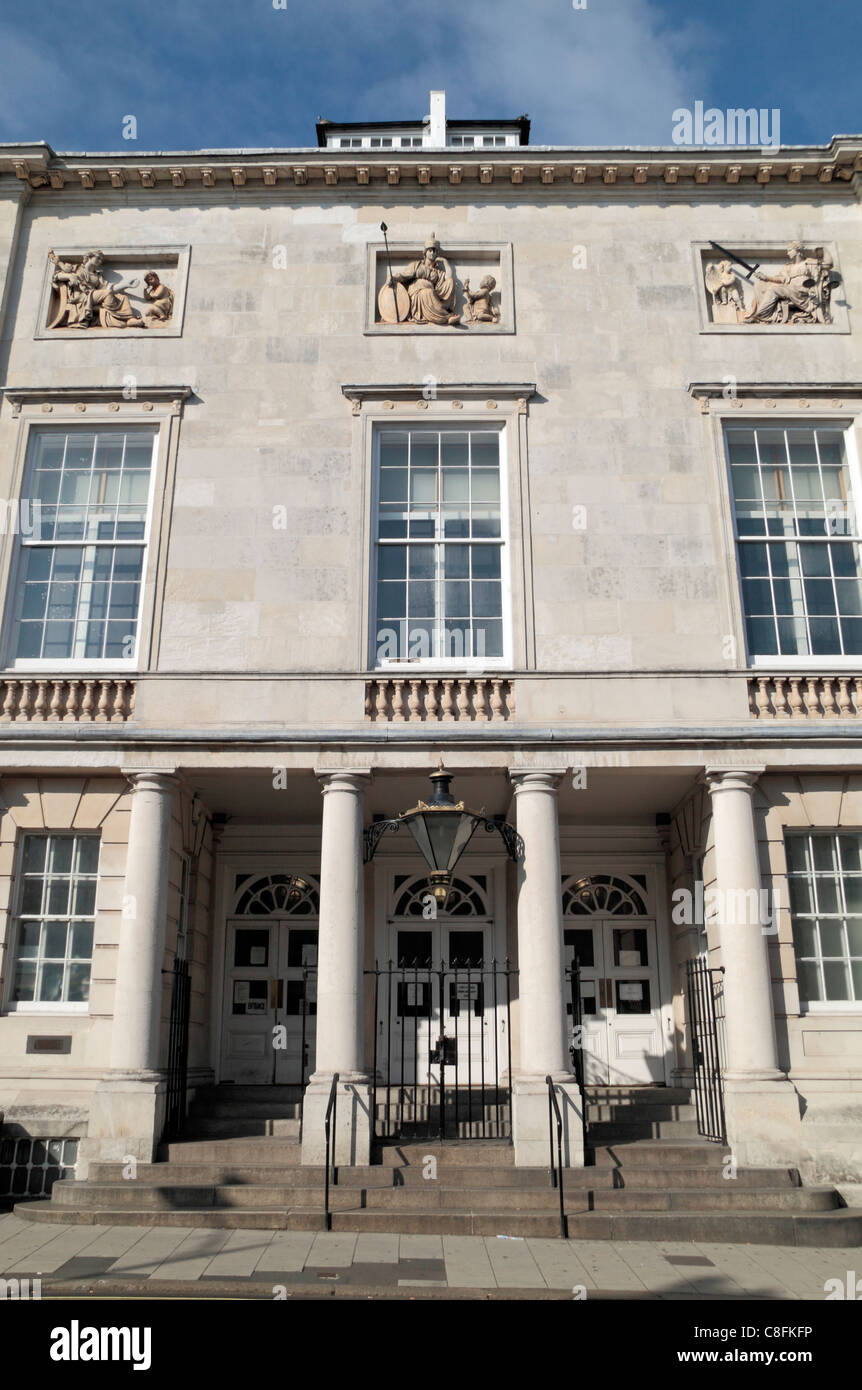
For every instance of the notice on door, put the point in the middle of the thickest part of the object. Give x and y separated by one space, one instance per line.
631 990
467 991
249 997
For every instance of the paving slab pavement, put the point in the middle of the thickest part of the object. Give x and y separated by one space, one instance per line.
252 1263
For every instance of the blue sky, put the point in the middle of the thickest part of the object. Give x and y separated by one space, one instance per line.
226 73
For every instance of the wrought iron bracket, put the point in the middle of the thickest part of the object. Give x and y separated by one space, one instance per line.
373 834
508 834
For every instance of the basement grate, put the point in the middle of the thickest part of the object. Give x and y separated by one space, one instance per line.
30 1167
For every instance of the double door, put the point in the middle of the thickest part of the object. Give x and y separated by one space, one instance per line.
621 1034
441 1003
270 1002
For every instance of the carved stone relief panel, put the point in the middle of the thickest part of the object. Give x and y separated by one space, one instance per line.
792 286
432 287
115 291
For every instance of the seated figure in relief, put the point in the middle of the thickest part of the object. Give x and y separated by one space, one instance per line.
430 286
87 299
799 293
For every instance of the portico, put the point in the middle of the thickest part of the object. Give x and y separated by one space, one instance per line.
301 922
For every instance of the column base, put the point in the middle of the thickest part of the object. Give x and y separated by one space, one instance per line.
763 1121
352 1117
530 1128
127 1116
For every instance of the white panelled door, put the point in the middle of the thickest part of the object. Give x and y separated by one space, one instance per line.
622 1035
270 1002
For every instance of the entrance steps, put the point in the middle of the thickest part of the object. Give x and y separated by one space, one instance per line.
644 1190
229 1111
414 1111
626 1113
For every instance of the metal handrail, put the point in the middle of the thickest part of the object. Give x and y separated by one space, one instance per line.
556 1169
329 1128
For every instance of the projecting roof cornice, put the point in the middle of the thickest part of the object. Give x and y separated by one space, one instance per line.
529 168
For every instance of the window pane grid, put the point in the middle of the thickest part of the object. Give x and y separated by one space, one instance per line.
798 541
56 917
82 568
439 544
825 880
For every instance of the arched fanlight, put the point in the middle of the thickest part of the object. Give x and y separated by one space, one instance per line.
442 828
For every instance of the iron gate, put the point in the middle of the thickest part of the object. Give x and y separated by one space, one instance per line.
178 1051
705 992
442 1050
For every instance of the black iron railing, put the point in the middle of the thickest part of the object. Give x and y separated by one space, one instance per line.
307 1008
178 1050
331 1166
705 994
576 1017
442 1050
556 1164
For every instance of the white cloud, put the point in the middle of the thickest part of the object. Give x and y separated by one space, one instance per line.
613 72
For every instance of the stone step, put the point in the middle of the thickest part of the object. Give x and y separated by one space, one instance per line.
709 1199
839 1228
216 1218
251 1150
243 1110
449 1175
463 1110
599 1113
414 1131
616 1132
430 1095
842 1227
218 1173
240 1094
637 1095
484 1153
658 1153
703 1176
237 1127
444 1223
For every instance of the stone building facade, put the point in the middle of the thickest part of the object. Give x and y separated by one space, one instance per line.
292 518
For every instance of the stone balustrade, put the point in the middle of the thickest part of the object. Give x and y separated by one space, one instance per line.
444 700
805 697
51 701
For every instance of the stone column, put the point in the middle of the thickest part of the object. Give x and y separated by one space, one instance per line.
340 980
760 1103
541 980
127 1110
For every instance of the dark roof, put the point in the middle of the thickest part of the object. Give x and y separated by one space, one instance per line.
521 122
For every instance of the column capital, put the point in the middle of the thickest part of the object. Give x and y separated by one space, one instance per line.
343 779
152 779
534 779
732 779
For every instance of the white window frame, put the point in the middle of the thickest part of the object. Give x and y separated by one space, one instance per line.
16 592
49 1006
107 409
448 663
788 420
819 1006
